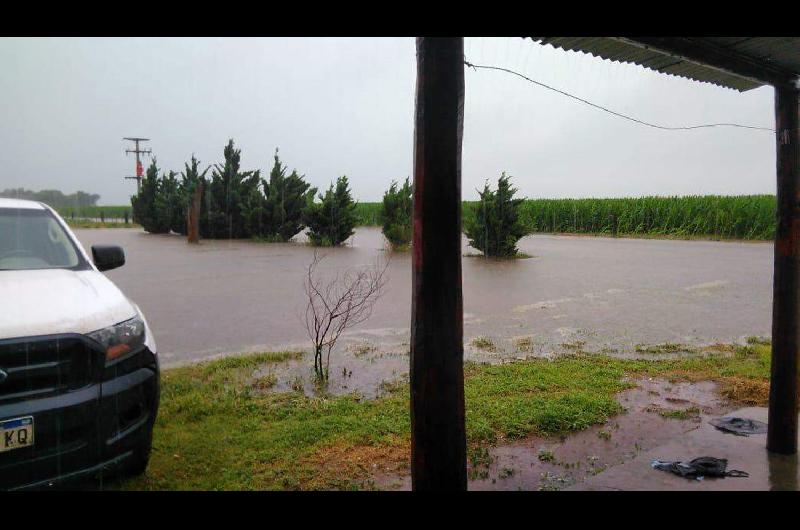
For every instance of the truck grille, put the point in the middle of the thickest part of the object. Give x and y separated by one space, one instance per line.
36 367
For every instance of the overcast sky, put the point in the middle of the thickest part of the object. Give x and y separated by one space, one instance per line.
345 106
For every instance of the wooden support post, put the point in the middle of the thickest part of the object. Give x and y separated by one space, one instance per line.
782 430
193 214
438 439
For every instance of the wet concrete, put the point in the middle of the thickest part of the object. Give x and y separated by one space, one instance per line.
768 472
595 294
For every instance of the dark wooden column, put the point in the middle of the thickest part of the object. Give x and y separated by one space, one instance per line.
782 433
193 214
438 439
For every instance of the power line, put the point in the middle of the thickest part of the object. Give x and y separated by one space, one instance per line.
629 118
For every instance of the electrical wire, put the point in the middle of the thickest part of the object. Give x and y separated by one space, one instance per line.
629 118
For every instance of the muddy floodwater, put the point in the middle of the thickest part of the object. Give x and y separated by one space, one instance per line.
593 294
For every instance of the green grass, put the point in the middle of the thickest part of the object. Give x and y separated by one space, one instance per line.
219 428
680 414
667 347
484 343
95 212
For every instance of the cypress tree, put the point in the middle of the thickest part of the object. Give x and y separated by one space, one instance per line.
332 220
285 198
167 202
228 188
493 226
190 177
396 214
144 203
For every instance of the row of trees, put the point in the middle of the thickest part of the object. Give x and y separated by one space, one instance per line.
493 225
239 204
53 198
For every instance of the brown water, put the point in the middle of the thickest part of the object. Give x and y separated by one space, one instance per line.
594 294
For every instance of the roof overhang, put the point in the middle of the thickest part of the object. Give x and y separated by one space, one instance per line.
740 63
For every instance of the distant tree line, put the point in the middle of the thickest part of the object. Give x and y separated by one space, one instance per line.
53 198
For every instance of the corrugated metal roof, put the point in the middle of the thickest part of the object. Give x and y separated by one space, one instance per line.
780 53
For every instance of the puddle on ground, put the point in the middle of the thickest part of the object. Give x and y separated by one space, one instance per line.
365 362
538 463
360 367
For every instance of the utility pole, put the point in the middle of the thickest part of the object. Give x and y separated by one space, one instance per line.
139 168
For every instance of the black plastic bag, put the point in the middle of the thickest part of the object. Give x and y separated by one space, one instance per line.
739 426
704 466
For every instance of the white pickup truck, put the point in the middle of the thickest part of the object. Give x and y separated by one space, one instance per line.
79 373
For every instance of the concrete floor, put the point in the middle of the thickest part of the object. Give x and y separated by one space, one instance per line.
767 472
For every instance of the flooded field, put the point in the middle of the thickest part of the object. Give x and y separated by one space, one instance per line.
607 295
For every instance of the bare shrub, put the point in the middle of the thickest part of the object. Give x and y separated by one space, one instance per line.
336 303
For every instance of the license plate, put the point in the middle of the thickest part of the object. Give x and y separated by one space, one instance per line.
16 433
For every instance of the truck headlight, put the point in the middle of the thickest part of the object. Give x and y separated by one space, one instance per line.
120 339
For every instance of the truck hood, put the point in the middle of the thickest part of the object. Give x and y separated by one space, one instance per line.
44 302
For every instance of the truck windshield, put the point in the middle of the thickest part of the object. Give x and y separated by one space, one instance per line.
34 239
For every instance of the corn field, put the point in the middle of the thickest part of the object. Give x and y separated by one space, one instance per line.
722 217
368 213
715 216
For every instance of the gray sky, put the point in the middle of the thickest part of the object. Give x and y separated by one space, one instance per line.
345 106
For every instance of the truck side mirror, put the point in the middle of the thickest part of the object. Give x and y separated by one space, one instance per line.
107 257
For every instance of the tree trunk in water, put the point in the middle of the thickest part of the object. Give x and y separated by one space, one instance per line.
193 215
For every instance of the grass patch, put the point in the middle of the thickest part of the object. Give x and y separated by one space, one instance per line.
217 431
667 347
265 382
82 223
525 344
758 341
676 414
518 255
484 343
360 350
546 456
